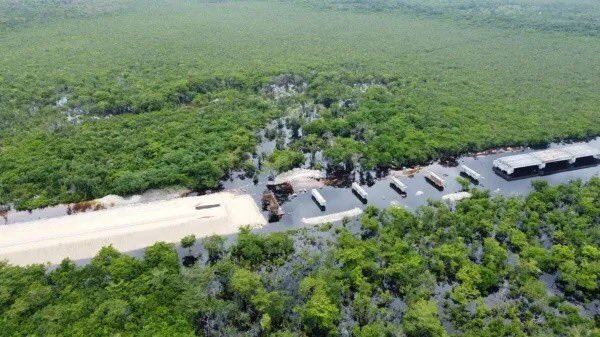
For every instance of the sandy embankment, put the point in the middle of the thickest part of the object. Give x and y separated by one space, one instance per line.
126 228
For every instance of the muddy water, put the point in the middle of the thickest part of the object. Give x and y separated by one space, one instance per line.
419 190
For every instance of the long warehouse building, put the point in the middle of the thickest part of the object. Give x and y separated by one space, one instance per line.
547 160
126 228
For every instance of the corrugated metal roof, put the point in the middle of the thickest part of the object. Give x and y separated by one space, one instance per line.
540 158
552 155
581 150
320 199
518 161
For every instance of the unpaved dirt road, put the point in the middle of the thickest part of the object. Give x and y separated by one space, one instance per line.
126 228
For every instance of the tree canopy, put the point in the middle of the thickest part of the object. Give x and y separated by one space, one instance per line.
432 272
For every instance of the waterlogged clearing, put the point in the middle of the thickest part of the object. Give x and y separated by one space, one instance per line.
299 204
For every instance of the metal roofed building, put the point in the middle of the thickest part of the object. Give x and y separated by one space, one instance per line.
578 151
547 159
395 182
435 179
553 155
319 198
509 164
359 191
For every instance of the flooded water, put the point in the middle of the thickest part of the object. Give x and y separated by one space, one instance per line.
418 192
339 199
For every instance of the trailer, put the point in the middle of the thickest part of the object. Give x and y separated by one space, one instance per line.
396 183
546 161
436 180
320 200
359 191
470 172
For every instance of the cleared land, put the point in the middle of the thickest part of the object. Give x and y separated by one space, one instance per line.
126 228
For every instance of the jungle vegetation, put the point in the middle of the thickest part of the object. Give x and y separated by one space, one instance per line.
17 13
493 266
175 92
573 16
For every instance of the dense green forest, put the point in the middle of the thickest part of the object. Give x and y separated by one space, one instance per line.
174 92
564 15
522 266
122 96
15 13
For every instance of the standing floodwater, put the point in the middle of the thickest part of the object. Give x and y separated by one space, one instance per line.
418 189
